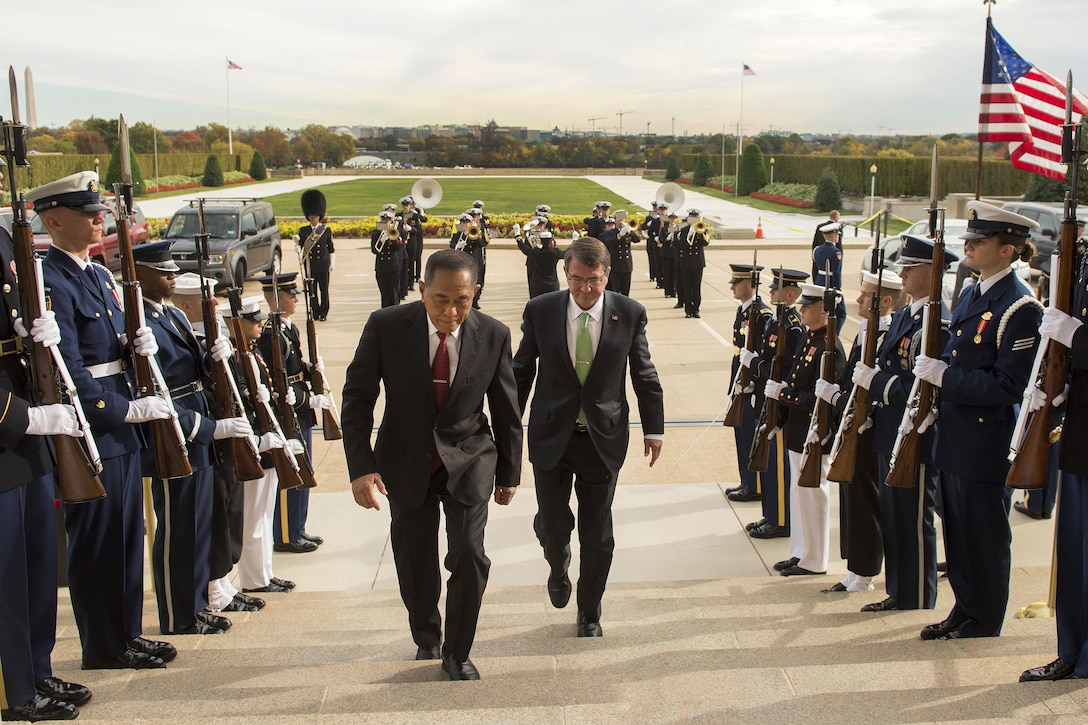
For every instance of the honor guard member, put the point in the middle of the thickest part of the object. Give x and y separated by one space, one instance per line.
183 506
745 293
666 255
414 217
1071 540
293 505
478 249
619 277
105 537
775 481
318 251
541 259
652 229
255 563
861 537
906 514
28 523
810 508
690 261
818 237
828 256
982 375
389 255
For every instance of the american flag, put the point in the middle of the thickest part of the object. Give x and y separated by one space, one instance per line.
1025 106
231 65
748 70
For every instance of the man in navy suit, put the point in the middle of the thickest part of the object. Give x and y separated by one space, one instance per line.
577 345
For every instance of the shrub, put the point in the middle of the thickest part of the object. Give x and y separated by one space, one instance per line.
113 172
703 170
753 175
213 172
828 193
256 167
672 173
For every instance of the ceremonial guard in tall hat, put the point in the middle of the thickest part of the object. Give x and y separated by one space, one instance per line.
619 243
105 538
183 506
690 261
774 482
389 255
652 229
906 514
828 256
745 293
982 376
28 524
861 537
809 507
318 252
293 505
666 254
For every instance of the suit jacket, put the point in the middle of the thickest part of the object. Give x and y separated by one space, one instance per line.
559 395
393 350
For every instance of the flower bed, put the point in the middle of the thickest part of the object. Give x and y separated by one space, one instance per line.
801 196
782 199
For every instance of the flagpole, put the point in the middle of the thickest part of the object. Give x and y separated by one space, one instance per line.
230 137
740 130
985 59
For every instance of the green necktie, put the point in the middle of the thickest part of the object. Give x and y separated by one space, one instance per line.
583 355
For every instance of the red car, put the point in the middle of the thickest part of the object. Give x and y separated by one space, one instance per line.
105 251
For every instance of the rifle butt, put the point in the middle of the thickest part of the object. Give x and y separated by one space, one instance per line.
306 471
842 467
810 471
735 412
171 459
247 464
904 470
285 471
1028 470
759 456
330 426
76 477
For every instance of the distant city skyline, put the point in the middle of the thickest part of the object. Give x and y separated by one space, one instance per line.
821 66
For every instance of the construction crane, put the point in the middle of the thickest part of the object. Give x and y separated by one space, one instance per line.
594 122
621 114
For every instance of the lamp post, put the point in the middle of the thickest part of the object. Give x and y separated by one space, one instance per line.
872 190
772 169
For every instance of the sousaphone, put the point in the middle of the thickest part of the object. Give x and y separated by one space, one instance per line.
426 193
670 194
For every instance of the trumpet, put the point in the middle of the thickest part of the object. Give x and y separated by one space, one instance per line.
474 232
700 227
380 246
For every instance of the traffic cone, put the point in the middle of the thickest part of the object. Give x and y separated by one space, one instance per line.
759 228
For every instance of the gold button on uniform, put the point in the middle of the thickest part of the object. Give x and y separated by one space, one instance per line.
100 404
959 333
15 313
7 288
954 353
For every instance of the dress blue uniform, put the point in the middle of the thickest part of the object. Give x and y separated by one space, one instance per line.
826 257
744 432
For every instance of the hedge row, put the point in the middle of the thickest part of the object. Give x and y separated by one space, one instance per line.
50 167
895 176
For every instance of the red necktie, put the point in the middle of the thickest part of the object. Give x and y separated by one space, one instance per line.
440 377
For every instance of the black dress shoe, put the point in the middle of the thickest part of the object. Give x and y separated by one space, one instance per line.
1023 508
286 584
251 601
270 588
695 315
885 606
559 590
938 630
197 628
834 588
301 546
213 620
735 488
40 707
1059 669
459 670
128 660
313 538
163 650
950 634
58 689
801 571
586 628
743 495
754 524
783 565
237 605
678 305
422 653
942 566
770 531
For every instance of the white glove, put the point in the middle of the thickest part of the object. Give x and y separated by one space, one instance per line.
263 395
826 391
269 441
747 356
461 244
930 369
290 396
1036 400
516 229
150 408
232 428
51 420
1060 398
773 389
773 432
145 344
319 366
44 330
319 402
813 438
295 446
221 350
1059 326
332 262
863 375
575 236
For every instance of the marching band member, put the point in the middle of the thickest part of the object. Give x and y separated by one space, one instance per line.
410 219
690 261
541 256
389 255
652 228
666 255
478 249
619 247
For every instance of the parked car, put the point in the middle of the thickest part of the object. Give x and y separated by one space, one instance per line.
1045 238
105 252
243 239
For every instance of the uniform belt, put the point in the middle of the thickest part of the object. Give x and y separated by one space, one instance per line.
11 346
186 390
297 378
106 369
579 428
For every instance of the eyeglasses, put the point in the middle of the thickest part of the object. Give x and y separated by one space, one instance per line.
591 281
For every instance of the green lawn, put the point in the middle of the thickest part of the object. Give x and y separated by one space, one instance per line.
365 197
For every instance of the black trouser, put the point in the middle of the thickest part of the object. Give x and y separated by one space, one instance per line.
861 542
415 254
228 507
692 279
621 282
414 536
405 281
389 287
651 258
667 274
595 486
319 293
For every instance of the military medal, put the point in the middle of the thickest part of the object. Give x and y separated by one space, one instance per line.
986 317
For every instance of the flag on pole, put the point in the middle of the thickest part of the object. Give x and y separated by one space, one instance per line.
231 65
748 70
1025 106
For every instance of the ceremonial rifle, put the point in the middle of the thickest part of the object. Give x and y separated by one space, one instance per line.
812 455
768 418
171 457
77 469
738 393
288 422
1032 435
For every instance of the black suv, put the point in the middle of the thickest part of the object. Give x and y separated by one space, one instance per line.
243 239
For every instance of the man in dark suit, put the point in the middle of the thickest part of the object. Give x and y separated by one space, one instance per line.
582 341
438 360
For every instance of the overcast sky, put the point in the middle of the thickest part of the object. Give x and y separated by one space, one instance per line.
860 66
